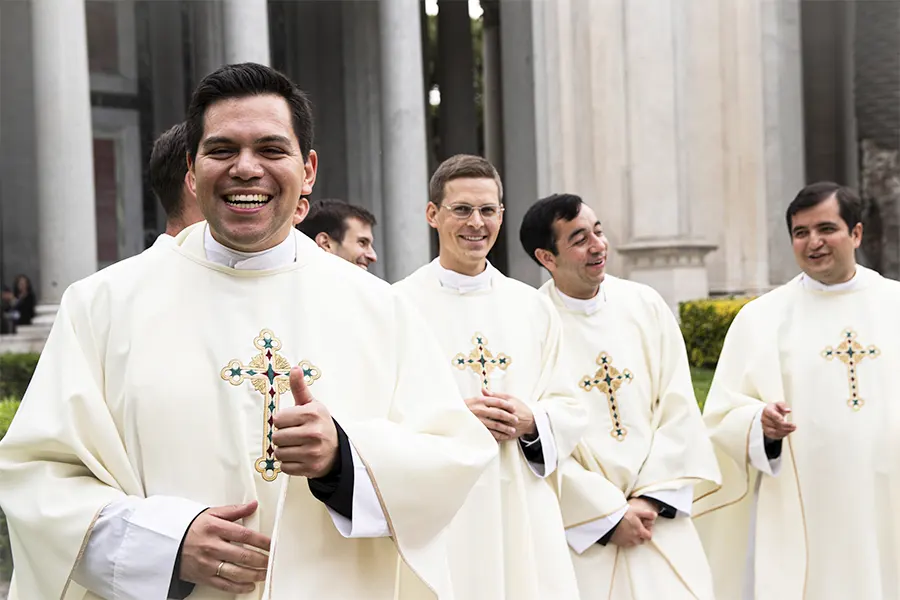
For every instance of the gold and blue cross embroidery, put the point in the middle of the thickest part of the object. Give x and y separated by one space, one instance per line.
851 353
481 360
608 379
269 372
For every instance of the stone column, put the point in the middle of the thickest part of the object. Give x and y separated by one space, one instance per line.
404 158
456 73
520 168
493 97
246 31
65 180
362 82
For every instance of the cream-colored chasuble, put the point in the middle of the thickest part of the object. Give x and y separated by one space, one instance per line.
645 435
826 527
508 540
159 378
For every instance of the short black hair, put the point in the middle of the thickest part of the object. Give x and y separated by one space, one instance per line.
167 168
537 225
243 80
330 216
815 193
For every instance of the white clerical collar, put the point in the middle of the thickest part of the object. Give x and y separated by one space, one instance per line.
463 283
811 284
588 306
278 256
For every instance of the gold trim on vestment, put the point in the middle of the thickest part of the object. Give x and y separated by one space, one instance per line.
567 527
80 555
746 479
802 517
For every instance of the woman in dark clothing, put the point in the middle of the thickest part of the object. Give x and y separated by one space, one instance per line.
24 301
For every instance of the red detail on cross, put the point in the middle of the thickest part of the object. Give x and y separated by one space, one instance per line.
270 450
271 391
269 354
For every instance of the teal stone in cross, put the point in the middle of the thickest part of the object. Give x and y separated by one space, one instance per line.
608 379
481 360
269 373
851 353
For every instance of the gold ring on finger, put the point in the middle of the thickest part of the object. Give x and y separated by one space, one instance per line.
219 569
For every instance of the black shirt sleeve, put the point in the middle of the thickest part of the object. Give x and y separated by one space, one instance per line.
773 448
335 489
534 452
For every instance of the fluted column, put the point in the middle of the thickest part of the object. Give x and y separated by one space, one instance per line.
65 181
246 29
404 156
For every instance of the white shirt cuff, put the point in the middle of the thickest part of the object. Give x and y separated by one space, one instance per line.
368 518
132 549
756 449
681 499
582 537
548 444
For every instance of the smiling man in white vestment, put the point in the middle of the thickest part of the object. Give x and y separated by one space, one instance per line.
627 491
501 340
804 413
197 424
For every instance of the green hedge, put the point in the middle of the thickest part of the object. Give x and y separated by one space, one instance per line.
704 324
15 373
8 408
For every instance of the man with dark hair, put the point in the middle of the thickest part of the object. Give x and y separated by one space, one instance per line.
167 173
627 492
501 340
802 411
342 229
197 423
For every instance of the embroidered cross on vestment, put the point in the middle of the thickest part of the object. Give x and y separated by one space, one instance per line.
608 379
851 353
269 372
481 360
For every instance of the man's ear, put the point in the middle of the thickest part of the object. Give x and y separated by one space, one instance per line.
546 258
302 210
324 241
431 211
857 234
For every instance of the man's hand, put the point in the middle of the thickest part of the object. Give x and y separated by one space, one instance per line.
645 507
525 418
305 437
497 414
219 553
774 424
632 529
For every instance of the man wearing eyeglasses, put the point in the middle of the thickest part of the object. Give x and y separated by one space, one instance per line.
501 340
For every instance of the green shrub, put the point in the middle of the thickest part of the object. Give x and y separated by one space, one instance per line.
8 408
704 324
15 373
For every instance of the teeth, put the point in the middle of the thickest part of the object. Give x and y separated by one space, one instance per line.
247 200
473 239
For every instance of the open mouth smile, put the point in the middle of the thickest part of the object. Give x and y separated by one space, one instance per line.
247 200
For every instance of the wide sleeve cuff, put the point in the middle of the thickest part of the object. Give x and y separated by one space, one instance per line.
756 449
547 442
368 517
681 499
132 549
582 537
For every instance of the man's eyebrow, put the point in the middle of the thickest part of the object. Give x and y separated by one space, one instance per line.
575 234
268 139
216 139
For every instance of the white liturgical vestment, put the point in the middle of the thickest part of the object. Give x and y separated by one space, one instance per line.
507 541
645 438
158 382
822 524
